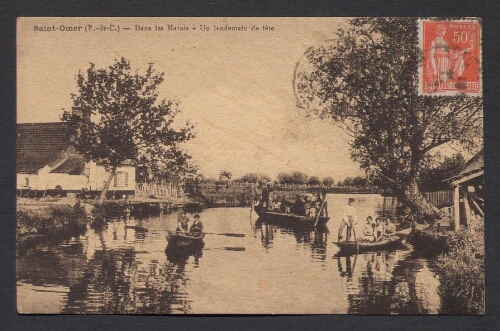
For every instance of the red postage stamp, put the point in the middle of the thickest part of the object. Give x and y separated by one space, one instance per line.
451 57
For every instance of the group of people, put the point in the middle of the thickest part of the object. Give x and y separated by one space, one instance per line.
372 231
304 205
376 230
183 226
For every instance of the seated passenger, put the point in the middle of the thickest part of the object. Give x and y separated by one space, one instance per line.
307 207
390 228
182 223
379 229
197 226
369 227
312 212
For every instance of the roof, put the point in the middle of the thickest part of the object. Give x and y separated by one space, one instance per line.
75 165
39 144
474 164
472 169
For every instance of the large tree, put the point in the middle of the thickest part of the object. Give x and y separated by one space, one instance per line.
366 80
121 119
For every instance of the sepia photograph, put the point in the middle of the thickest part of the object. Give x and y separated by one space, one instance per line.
230 165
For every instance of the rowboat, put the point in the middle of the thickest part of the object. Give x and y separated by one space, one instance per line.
185 240
289 219
392 241
180 247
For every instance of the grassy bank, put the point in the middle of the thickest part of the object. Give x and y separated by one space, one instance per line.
459 262
50 220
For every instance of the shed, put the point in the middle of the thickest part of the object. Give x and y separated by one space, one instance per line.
469 191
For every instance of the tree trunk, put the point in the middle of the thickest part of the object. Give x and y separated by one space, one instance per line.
106 186
417 202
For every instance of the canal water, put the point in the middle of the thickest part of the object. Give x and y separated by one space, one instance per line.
124 268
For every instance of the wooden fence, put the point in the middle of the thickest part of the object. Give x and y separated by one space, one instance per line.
443 198
166 190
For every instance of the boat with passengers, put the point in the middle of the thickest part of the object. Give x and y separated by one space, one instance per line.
292 209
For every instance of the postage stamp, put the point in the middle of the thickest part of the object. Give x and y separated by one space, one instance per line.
451 51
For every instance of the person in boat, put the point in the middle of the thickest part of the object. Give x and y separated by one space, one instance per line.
197 226
369 227
286 207
348 219
406 218
298 206
390 228
182 223
313 210
379 232
307 207
277 205
283 205
266 191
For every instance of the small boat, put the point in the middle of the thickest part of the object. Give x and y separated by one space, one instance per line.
390 242
185 240
289 219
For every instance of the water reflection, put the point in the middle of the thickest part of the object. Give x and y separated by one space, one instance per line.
346 265
126 267
386 283
316 238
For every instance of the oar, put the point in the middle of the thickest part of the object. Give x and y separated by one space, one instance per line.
235 249
227 234
355 239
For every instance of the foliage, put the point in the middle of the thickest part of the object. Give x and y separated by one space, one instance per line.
225 175
57 219
462 273
295 177
359 181
313 180
99 212
328 181
121 119
255 178
433 175
365 80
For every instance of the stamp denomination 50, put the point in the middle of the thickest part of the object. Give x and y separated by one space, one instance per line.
451 57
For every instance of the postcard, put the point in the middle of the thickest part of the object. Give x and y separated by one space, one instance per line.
223 165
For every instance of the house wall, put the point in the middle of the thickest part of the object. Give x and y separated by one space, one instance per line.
97 176
45 180
23 180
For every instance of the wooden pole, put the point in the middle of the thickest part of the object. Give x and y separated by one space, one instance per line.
320 209
467 209
456 207
355 239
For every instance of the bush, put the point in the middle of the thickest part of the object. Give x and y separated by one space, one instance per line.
461 271
52 221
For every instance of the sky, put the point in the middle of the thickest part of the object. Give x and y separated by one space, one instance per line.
235 86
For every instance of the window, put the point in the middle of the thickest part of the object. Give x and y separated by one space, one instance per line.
121 179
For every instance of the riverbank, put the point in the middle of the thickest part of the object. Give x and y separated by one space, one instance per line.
52 217
458 259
